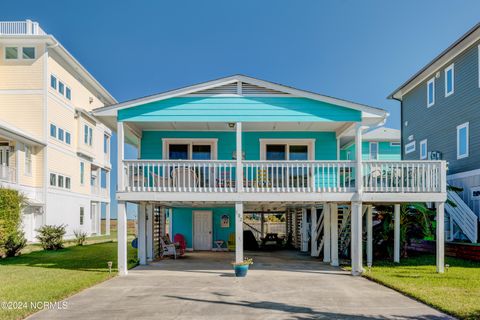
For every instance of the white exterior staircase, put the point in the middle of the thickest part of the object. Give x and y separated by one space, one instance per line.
463 216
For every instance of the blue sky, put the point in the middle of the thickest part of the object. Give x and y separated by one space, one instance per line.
355 50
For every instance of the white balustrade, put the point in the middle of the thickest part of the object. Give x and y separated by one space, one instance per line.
180 175
298 176
403 176
20 28
8 173
283 176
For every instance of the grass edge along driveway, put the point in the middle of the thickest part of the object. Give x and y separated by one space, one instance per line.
456 292
50 276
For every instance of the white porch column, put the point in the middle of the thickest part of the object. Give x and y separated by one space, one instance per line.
122 238
356 241
239 166
142 250
107 218
149 231
313 232
396 236
369 235
304 232
358 158
326 233
334 233
440 243
120 156
238 232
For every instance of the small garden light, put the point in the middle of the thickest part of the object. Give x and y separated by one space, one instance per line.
446 267
369 266
110 263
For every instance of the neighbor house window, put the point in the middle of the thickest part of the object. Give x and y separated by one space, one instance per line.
462 141
53 179
87 135
431 92
28 160
410 147
82 215
394 144
11 53
53 130
53 82
82 172
67 137
28 53
68 93
61 87
60 181
60 134
373 150
106 140
423 149
67 182
449 80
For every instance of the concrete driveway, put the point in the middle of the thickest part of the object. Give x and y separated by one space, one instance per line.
280 285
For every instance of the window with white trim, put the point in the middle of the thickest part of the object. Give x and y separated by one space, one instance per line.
395 144
462 141
423 149
11 53
53 130
410 147
28 160
431 92
53 82
82 173
82 215
190 149
53 179
87 135
449 80
28 53
373 151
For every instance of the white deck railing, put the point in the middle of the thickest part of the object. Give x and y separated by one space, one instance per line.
283 176
8 173
27 27
403 176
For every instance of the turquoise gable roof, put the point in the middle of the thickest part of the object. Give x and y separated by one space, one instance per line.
247 109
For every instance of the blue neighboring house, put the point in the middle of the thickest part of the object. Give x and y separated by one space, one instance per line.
378 144
214 152
440 114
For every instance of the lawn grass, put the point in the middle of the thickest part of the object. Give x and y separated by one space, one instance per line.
456 292
55 275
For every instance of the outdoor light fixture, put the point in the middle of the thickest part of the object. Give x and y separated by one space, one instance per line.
446 267
231 125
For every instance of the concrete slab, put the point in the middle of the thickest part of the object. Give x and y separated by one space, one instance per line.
280 285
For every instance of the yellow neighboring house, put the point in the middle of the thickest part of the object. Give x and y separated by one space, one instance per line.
51 148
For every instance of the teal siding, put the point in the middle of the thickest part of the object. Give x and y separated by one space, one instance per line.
183 223
325 142
385 151
231 109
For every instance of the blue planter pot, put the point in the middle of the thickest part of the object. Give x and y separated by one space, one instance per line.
241 271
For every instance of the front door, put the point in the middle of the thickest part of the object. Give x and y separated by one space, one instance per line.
202 230
94 218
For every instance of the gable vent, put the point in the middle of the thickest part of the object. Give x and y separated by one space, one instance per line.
250 89
230 88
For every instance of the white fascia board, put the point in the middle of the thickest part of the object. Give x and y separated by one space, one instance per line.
14 133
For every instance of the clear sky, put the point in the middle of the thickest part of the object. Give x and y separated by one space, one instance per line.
350 49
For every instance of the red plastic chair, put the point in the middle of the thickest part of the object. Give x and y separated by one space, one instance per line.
182 244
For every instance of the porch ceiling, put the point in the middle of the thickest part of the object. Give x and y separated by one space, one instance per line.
246 126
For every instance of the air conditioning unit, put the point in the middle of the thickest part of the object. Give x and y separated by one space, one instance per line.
435 155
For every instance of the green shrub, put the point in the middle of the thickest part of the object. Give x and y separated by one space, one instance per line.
11 204
14 243
80 237
51 237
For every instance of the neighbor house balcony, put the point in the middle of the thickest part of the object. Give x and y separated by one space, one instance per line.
26 27
8 173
